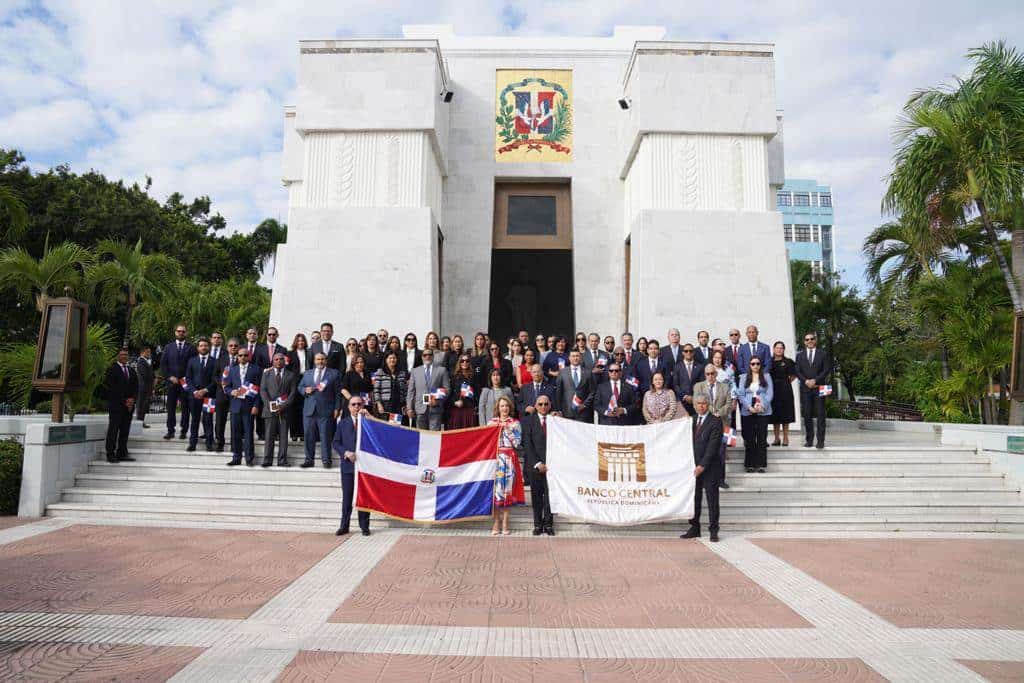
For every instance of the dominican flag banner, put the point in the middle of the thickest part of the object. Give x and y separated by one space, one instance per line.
825 390
577 402
633 382
395 418
422 476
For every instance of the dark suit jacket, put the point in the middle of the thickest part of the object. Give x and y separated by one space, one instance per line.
642 371
733 358
683 382
701 357
146 376
120 388
403 359
666 353
482 372
335 353
235 381
291 361
345 440
272 390
527 396
820 371
320 403
173 363
199 377
221 364
707 445
263 358
590 358
761 350
632 361
535 443
627 400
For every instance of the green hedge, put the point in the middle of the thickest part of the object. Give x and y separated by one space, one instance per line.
11 453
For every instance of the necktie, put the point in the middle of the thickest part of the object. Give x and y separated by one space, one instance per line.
700 421
202 362
124 369
426 375
536 390
543 425
278 375
735 353
629 355
652 366
575 377
812 357
180 345
752 345
689 368
319 374
615 391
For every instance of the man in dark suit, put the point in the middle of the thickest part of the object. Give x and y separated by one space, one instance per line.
630 356
702 352
685 375
332 350
173 362
596 360
645 368
122 386
814 368
573 382
732 350
620 411
243 387
535 444
707 439
147 378
201 383
753 349
222 364
321 387
344 445
265 353
529 393
277 392
673 351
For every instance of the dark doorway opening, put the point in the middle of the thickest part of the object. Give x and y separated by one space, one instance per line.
531 289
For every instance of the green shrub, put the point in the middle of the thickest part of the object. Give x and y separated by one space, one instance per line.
11 453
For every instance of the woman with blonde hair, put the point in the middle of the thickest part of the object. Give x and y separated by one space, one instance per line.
508 474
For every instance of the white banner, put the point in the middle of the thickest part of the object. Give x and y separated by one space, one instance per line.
620 475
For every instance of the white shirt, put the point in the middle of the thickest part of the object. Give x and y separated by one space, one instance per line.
410 358
302 360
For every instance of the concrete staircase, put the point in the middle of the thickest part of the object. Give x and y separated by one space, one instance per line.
845 487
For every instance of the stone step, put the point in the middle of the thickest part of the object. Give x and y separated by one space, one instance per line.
210 479
956 521
867 503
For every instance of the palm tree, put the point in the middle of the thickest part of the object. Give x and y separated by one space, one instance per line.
129 275
836 309
960 151
265 239
900 252
13 207
33 279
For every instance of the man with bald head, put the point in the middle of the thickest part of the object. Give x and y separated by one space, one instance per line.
278 391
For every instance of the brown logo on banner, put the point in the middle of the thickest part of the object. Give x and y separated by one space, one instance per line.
621 462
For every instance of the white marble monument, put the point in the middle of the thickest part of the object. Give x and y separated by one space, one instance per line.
614 183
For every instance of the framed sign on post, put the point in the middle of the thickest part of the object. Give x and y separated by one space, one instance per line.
60 351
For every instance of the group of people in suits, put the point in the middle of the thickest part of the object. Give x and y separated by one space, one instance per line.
316 390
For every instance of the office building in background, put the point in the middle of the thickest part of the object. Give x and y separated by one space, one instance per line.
808 223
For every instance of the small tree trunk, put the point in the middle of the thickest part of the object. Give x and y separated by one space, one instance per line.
128 318
993 238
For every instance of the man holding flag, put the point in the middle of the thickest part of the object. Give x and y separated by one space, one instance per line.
614 400
321 387
243 386
344 445
200 381
428 390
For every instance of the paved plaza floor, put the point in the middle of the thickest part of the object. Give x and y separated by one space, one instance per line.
129 602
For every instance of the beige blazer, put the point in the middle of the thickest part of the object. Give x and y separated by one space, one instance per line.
722 405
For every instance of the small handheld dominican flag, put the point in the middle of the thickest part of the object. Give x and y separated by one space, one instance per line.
394 418
251 389
601 361
577 402
729 437
423 476
365 397
633 382
612 405
440 393
825 390
561 363
185 385
466 391
227 371
321 386
209 405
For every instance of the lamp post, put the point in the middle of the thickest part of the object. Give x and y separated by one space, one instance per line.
60 351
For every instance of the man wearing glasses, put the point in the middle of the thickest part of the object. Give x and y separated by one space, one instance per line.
344 445
173 363
535 445
814 368
242 386
263 357
614 400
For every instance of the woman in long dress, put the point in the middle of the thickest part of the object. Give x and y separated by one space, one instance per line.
508 474
783 373
462 399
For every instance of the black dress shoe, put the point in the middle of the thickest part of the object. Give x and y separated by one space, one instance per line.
366 532
145 426
306 464
760 470
250 463
714 537
284 464
112 459
266 463
537 531
340 532
125 458
723 485
692 532
182 435
550 531
190 449
233 463
750 470
168 436
807 444
328 464
219 449
820 445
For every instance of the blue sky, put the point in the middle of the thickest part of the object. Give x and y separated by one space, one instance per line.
190 92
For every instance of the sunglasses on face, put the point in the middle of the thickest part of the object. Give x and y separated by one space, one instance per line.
755 365
614 370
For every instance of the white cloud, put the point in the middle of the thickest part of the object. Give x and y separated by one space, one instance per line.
190 92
